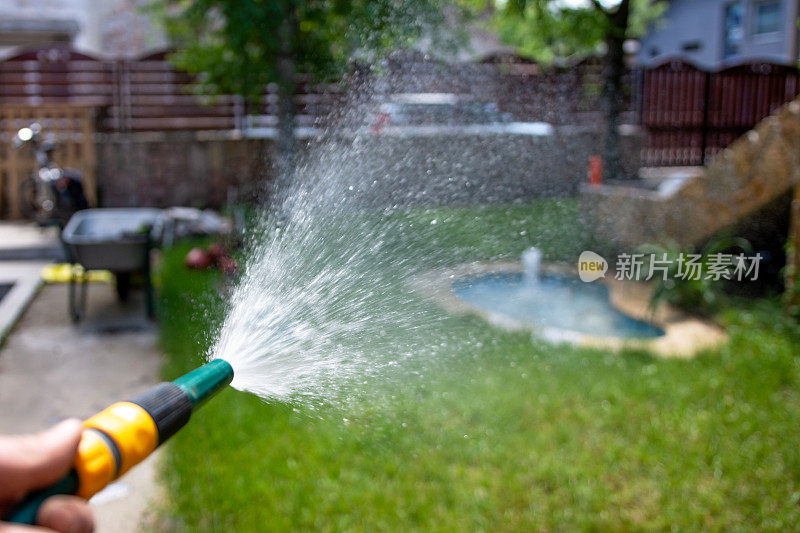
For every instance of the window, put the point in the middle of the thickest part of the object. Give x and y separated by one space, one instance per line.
692 46
768 17
732 31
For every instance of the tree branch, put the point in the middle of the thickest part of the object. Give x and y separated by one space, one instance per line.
597 5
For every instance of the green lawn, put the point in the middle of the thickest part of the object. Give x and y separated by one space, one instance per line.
514 435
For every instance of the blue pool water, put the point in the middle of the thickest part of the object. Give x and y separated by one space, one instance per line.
553 303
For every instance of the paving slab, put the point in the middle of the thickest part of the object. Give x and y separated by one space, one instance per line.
51 369
28 241
21 280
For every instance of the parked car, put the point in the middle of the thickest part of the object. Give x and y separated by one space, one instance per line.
415 109
434 113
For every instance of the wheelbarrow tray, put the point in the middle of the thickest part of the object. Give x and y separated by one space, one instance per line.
111 239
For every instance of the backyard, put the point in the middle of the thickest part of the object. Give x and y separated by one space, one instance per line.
511 434
442 265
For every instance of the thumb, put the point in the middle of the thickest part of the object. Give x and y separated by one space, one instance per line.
29 462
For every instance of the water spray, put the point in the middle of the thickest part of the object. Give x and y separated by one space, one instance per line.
125 433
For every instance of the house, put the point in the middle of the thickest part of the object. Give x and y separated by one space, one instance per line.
115 28
713 33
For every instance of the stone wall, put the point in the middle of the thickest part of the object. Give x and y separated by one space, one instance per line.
690 205
459 168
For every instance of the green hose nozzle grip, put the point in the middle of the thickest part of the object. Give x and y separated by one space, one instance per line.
122 435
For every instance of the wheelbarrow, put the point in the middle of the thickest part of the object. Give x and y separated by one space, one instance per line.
118 240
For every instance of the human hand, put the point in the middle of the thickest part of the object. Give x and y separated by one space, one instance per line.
31 462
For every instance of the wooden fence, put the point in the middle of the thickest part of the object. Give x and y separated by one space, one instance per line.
686 113
144 94
149 94
690 114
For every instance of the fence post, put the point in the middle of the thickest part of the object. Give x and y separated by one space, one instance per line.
639 82
792 284
89 156
704 129
14 171
239 113
638 74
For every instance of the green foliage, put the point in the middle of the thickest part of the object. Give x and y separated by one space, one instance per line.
545 34
237 44
546 30
512 435
700 295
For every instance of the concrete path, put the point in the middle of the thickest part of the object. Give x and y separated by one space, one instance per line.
24 249
21 280
51 369
26 240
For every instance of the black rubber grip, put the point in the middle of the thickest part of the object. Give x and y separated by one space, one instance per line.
168 405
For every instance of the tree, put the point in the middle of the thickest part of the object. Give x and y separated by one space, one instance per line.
240 46
550 29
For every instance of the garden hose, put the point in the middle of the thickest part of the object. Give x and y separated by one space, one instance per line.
125 433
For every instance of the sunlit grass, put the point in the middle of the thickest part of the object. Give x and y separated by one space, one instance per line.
514 435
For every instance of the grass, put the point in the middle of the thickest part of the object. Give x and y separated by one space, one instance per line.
515 435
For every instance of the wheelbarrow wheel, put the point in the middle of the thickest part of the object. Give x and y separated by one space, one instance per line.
123 285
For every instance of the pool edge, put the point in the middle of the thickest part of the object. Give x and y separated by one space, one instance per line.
684 335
